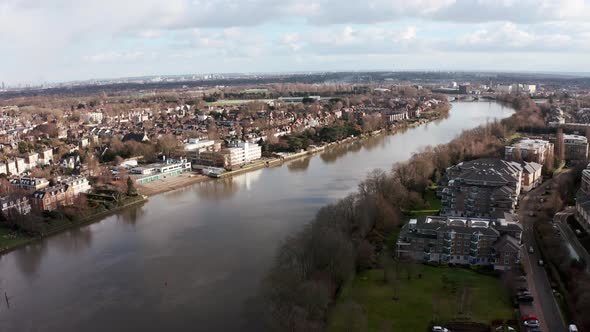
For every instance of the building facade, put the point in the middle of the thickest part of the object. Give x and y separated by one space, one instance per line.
481 188
575 147
51 198
457 240
11 204
527 149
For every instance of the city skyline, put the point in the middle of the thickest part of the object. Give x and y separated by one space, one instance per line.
67 41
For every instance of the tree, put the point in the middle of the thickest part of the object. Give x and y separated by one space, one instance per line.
131 191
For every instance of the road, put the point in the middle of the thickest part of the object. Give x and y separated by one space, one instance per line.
544 305
570 237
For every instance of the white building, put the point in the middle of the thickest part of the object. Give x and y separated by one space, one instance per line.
160 171
46 157
94 117
11 167
243 154
195 144
79 184
3 169
31 160
21 166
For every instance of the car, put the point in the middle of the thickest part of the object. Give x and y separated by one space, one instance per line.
534 330
531 323
525 299
572 328
527 317
531 250
521 278
523 293
440 329
522 289
541 263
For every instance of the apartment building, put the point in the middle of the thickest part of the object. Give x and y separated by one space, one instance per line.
527 149
481 188
242 154
460 240
575 147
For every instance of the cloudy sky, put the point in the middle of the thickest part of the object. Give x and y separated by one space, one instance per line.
60 40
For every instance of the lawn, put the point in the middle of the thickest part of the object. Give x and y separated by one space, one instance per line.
231 102
10 238
441 293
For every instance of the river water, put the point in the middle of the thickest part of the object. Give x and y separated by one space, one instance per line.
191 259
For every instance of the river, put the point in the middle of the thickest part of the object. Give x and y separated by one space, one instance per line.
191 259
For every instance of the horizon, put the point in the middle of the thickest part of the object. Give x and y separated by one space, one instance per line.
572 75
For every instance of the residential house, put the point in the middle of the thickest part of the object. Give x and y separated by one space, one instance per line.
13 203
51 198
531 175
29 183
79 184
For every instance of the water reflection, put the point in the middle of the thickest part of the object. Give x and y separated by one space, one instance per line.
299 165
75 240
131 215
28 259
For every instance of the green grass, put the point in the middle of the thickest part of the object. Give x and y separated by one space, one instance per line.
484 299
236 102
431 199
10 238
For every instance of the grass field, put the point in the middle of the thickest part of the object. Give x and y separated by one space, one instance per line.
236 102
441 293
9 238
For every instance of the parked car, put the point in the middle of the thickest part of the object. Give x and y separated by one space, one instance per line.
440 329
541 263
572 328
530 321
531 250
525 299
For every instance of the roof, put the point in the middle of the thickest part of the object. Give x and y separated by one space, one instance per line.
507 243
139 137
531 167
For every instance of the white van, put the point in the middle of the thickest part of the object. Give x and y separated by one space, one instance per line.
572 328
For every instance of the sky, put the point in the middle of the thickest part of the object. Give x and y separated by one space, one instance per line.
64 40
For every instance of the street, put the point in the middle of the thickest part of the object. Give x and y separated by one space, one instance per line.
544 305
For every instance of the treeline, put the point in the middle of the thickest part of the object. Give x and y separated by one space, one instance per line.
295 142
347 236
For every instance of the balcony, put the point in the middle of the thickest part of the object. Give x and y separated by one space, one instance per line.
427 256
446 251
472 260
445 258
473 251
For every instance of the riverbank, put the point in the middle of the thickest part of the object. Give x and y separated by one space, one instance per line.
11 240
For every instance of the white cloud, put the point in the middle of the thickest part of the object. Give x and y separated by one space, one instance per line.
103 31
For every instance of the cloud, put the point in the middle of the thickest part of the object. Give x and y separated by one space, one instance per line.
70 33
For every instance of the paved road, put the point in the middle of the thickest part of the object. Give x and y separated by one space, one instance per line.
544 306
